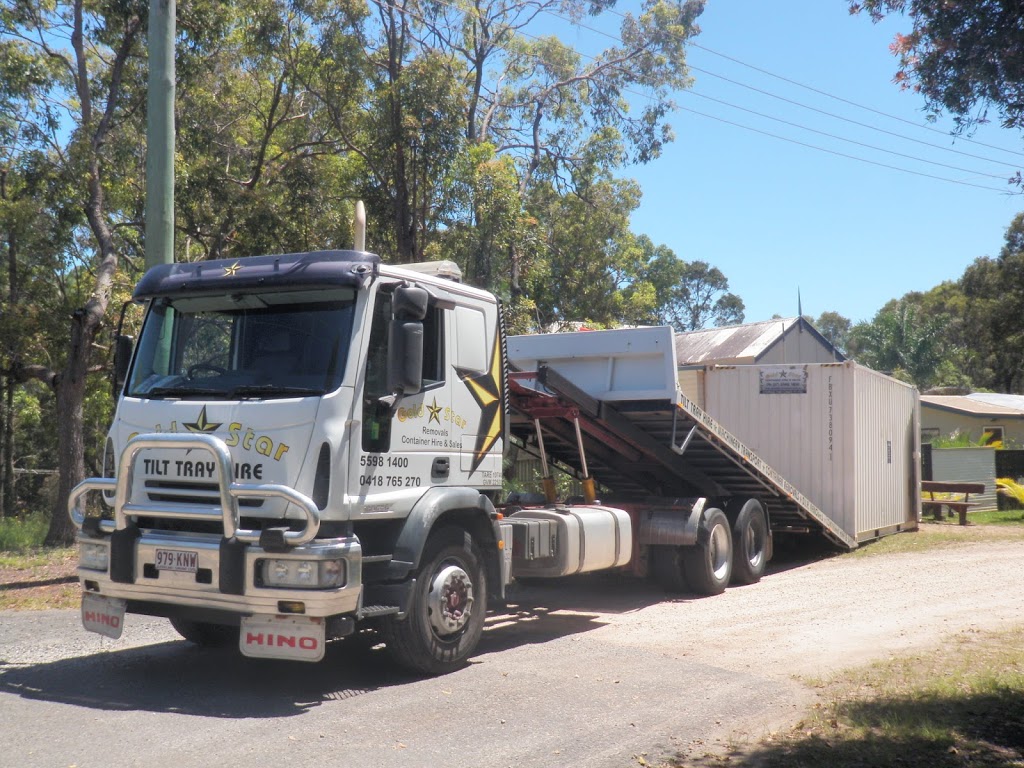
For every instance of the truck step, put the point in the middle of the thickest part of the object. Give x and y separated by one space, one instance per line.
373 611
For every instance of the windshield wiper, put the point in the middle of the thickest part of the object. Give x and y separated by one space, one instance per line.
184 392
263 390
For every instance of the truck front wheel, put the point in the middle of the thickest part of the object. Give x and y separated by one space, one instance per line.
446 612
708 564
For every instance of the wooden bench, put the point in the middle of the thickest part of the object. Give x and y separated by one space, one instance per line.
960 506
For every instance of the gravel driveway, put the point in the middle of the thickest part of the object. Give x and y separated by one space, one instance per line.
593 671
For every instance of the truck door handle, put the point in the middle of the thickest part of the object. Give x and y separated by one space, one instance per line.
440 468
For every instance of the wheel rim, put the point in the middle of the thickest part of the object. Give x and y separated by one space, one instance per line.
719 551
754 546
450 602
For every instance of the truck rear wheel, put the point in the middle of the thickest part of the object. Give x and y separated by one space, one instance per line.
206 635
708 564
749 542
446 612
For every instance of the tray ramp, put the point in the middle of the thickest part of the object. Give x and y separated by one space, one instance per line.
641 436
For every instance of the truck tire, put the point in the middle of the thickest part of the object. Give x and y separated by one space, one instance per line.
749 541
667 568
206 635
708 563
447 607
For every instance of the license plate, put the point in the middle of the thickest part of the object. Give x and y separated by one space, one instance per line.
177 560
104 615
298 638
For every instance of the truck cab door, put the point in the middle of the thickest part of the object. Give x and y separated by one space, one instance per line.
403 449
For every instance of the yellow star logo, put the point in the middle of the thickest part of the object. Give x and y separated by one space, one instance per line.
232 270
435 412
487 389
202 424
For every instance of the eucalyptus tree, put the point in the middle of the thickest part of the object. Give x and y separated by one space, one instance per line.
477 104
993 309
262 166
82 115
585 262
691 295
568 120
43 260
834 327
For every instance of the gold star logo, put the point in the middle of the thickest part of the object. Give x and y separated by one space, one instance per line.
486 389
202 424
232 270
435 412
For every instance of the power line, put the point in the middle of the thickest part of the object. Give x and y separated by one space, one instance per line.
767 133
844 100
847 119
801 104
843 138
807 128
821 92
839 154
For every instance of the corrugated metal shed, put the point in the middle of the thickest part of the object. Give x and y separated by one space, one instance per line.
1013 402
770 341
968 465
978 404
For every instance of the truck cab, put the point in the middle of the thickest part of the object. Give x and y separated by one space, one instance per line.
303 443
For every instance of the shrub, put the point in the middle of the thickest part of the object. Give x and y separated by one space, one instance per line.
1011 493
21 534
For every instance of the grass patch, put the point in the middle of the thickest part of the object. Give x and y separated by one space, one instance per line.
39 579
937 535
998 517
960 705
22 534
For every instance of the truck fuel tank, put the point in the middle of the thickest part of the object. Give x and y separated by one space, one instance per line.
564 540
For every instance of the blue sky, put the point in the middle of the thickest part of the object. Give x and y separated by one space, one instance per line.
776 217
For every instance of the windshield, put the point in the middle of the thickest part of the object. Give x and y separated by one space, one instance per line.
244 345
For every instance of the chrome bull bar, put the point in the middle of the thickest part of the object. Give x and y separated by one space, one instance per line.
227 513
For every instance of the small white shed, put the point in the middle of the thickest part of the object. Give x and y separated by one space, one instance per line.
781 341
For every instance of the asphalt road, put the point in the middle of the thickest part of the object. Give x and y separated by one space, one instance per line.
592 672
545 690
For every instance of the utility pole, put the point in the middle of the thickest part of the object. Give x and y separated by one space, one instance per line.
160 135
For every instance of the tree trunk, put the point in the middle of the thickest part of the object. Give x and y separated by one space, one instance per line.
85 323
70 443
9 498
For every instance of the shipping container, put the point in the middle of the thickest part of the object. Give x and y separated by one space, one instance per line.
846 436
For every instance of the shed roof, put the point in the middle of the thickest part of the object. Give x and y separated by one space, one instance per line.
1016 402
978 404
738 344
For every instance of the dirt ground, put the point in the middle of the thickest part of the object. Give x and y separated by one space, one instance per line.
51 583
811 619
692 674
812 616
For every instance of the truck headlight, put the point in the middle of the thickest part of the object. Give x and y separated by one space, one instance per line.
302 574
93 556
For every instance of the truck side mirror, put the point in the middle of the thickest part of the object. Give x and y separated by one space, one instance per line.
410 302
122 358
405 356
